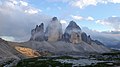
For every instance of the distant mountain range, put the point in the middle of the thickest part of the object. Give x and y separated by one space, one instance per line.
110 39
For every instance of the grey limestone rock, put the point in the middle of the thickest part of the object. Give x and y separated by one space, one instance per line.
38 33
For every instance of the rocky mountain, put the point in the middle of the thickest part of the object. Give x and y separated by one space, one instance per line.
38 33
12 51
51 40
72 33
54 30
72 40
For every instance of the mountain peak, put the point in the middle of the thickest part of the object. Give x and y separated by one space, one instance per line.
54 19
73 24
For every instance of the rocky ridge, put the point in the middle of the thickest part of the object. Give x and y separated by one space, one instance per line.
53 33
72 40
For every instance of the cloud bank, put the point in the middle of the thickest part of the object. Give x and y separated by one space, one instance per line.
17 18
106 37
85 3
114 22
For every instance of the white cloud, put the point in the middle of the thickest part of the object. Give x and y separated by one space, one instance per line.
90 18
102 22
8 38
64 24
115 1
19 5
23 3
77 17
113 22
32 11
84 3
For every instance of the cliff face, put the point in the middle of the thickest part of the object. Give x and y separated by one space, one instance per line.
72 40
53 33
72 33
38 33
54 30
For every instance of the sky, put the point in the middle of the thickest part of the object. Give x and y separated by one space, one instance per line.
18 17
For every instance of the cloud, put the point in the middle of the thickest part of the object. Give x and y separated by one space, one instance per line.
113 22
90 18
64 24
32 11
17 18
106 37
77 17
23 3
8 38
84 3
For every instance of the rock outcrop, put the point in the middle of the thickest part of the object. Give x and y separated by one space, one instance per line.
89 40
53 33
98 42
72 33
84 37
38 33
54 30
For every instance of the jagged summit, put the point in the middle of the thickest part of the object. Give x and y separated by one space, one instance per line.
53 33
54 19
54 30
72 25
38 33
72 33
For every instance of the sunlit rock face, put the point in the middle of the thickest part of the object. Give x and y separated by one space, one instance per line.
28 52
38 33
72 33
54 30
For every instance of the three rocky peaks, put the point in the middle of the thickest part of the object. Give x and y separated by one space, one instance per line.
53 32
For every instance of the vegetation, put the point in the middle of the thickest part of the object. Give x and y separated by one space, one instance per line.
51 61
44 62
